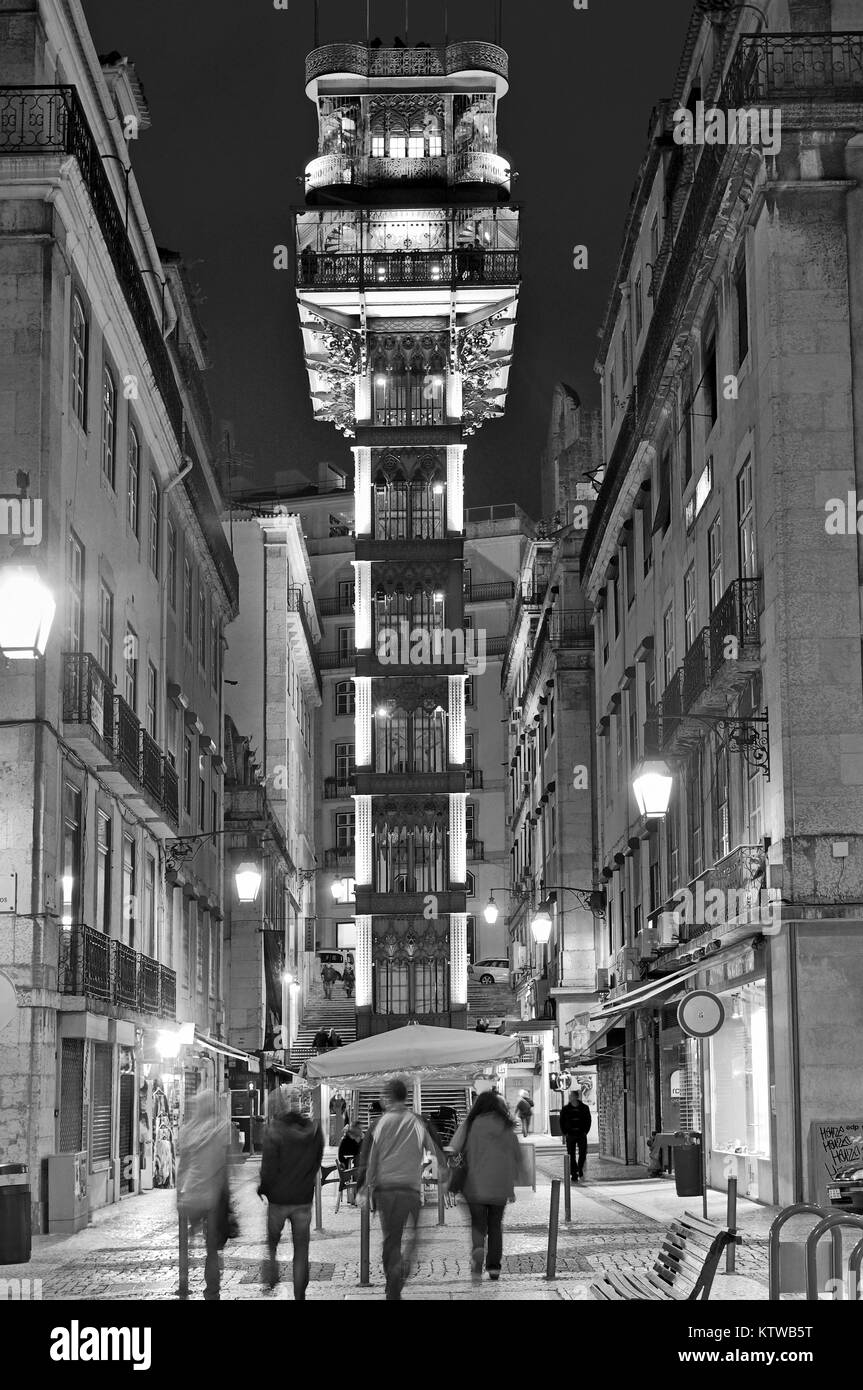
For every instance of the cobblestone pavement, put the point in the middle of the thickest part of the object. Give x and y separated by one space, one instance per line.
130 1251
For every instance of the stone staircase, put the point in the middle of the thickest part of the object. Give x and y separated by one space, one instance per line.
324 1013
489 1001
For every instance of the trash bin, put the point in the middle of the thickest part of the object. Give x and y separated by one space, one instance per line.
258 1127
687 1167
554 1123
15 1229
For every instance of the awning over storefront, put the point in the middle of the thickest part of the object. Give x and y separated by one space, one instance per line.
655 990
592 1051
251 1063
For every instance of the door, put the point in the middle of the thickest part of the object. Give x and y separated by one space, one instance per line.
128 1129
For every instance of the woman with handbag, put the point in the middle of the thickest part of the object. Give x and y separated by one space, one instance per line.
491 1161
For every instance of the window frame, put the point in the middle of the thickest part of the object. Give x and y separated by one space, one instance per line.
133 480
79 359
108 438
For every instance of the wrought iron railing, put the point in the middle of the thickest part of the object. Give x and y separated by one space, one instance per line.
171 801
365 61
474 781
496 646
407 268
88 695
486 593
696 668
126 737
331 607
672 697
151 766
96 967
338 661
571 628
336 789
728 891
297 604
340 858
736 615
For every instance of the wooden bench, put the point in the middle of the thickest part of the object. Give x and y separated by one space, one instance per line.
683 1271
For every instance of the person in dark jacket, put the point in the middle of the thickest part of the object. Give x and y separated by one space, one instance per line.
493 1157
575 1122
292 1153
348 1156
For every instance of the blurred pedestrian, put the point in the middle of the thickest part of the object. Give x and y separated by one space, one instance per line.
349 1151
524 1111
293 1148
394 1180
333 1039
321 1041
328 979
349 979
493 1160
203 1195
575 1122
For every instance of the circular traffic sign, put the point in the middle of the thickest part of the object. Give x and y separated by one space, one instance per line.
701 1014
8 1001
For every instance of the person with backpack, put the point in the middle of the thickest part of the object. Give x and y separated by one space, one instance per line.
524 1111
575 1122
292 1152
328 979
492 1159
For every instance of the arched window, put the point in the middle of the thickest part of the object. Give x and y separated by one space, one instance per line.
109 424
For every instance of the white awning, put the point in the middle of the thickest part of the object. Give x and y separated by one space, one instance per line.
653 990
225 1050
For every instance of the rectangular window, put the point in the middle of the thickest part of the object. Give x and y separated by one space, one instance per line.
416 147
615 604
214 813
214 651
101 1092
714 562
103 872
187 774
695 815
188 618
654 247
109 425
686 438
344 830
625 354
344 696
130 662
74 594
435 146
638 297
152 701
155 503
646 537
79 360
150 907
742 298
668 642
746 557
469 693
202 802
711 383
629 567
345 766
468 751
470 821
398 146
172 564
202 628
73 855
133 481
689 619
347 595
551 715
130 888
721 804
740 1076
106 629
378 147
345 636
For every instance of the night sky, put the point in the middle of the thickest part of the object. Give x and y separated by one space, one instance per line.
233 130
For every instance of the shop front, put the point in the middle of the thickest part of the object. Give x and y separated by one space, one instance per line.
738 1090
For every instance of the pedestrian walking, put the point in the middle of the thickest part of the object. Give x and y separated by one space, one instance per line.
348 980
349 1151
293 1148
575 1122
203 1195
524 1111
328 979
394 1181
321 1041
333 1039
492 1158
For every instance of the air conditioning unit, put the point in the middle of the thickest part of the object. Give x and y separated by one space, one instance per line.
602 985
626 964
667 926
647 943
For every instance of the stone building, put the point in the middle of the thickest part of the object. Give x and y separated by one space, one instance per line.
727 611
110 746
407 285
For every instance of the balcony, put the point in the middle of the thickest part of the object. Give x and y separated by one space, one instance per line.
338 661
362 61
474 782
407 269
500 590
335 789
332 607
100 726
305 650
475 851
342 857
729 892
93 966
570 628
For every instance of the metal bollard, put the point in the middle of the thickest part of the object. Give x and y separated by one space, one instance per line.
441 1201
567 1190
319 1216
731 1223
365 1225
183 1290
553 1223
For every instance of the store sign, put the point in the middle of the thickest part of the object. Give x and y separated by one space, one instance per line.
833 1145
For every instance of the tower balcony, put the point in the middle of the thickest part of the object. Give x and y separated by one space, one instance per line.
388 270
347 60
473 167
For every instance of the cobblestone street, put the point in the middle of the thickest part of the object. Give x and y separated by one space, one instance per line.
130 1251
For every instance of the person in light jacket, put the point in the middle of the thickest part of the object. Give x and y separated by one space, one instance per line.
493 1157
203 1194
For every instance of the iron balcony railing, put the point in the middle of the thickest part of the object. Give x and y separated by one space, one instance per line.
340 858
496 646
570 628
489 593
338 661
339 789
88 695
297 604
736 615
473 55
407 269
475 850
696 668
331 607
672 696
89 699
94 966
474 779
765 67
726 892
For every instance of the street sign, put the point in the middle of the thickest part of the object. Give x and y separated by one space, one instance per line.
701 1014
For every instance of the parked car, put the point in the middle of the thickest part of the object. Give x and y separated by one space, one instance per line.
494 971
846 1188
339 960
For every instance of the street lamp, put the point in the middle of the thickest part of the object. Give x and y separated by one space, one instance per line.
248 880
27 611
541 924
490 911
651 784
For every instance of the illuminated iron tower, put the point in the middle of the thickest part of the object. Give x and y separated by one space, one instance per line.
407 287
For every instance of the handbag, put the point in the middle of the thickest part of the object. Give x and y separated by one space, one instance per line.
457 1172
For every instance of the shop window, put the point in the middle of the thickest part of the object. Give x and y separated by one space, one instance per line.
739 1074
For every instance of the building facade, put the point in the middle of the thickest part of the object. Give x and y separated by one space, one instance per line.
407 288
111 742
726 610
